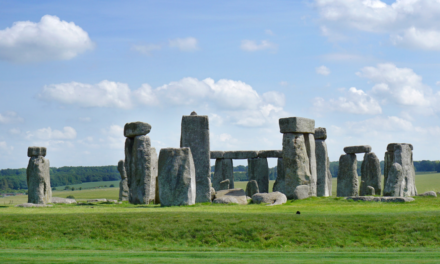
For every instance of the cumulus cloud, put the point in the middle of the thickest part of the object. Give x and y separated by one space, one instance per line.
410 24
323 70
437 83
10 117
184 44
146 49
114 137
251 45
49 39
52 134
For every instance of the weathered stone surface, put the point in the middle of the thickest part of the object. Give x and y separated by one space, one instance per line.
391 146
238 194
371 174
38 180
101 200
311 152
226 200
224 169
381 199
112 201
154 172
157 197
224 185
296 163
347 176
217 154
370 191
177 184
430 193
297 125
36 151
273 198
193 113
270 154
212 193
252 188
301 192
258 170
280 183
59 200
321 133
136 129
357 149
33 205
241 154
324 181
123 185
388 161
195 135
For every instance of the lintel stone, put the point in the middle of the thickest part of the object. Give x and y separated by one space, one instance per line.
136 129
36 151
391 146
217 154
357 149
244 154
270 154
320 133
297 125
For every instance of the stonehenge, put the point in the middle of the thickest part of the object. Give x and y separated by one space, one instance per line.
123 186
273 198
38 176
223 171
237 196
324 177
258 170
371 175
347 176
252 188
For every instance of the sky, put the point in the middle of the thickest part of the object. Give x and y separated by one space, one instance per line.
72 73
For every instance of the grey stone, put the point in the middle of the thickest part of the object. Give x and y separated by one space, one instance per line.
217 154
128 149
177 184
270 154
136 129
223 170
238 194
36 151
311 152
370 191
193 113
258 170
371 174
381 199
195 135
324 180
320 133
38 180
297 125
430 193
224 185
123 185
296 163
357 149
212 193
154 172
273 198
301 192
280 183
391 146
395 182
33 205
112 201
101 200
245 154
226 200
157 197
59 200
252 188
347 176
388 161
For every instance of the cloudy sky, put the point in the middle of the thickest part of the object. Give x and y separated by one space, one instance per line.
73 73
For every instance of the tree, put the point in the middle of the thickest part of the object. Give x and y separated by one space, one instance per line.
73 189
112 185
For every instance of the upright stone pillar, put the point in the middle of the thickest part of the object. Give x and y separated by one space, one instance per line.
123 185
38 176
224 170
370 174
324 177
195 135
298 154
347 176
280 183
258 170
401 173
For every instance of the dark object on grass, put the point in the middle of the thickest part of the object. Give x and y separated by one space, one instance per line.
298 212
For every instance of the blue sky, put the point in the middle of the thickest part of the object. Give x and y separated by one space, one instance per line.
73 73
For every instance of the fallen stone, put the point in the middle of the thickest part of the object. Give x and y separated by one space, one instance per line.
357 149
238 194
136 129
311 152
177 184
226 200
380 199
123 184
195 135
347 176
323 181
430 193
36 151
102 200
273 198
38 180
270 154
224 169
320 133
33 205
59 200
112 201
252 188
245 154
370 191
217 154
224 185
280 183
371 174
258 170
297 125
301 192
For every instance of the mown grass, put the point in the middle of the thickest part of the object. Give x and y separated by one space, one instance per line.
89 185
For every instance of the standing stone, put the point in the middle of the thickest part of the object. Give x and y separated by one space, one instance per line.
280 183
370 174
156 197
329 178
224 169
388 162
38 176
395 185
195 135
123 186
347 176
224 185
154 172
311 152
324 177
142 172
258 170
301 192
370 191
177 184
129 160
252 188
296 163
401 175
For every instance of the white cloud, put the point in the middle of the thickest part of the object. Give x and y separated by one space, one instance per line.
355 101
410 23
5 146
251 45
85 119
184 44
323 70
52 134
14 131
10 117
115 137
269 32
49 39
283 83
146 49
437 83
103 94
